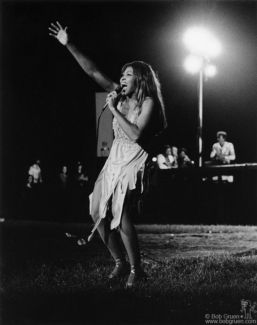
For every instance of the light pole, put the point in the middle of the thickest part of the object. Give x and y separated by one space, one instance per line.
202 46
200 114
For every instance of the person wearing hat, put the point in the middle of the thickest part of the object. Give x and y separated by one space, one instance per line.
223 152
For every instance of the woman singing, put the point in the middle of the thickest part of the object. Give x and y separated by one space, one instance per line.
138 115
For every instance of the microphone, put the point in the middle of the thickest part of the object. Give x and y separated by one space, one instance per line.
118 91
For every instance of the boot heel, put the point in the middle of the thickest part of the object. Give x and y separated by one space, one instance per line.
121 269
137 275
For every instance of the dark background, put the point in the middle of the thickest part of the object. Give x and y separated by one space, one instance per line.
48 102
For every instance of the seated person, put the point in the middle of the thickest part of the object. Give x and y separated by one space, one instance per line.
183 159
174 153
223 152
165 159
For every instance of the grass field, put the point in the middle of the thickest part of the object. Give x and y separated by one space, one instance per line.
193 271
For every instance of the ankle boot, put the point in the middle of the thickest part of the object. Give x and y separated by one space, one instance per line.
136 276
121 268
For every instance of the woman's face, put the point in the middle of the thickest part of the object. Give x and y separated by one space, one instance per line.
174 151
168 152
128 81
182 154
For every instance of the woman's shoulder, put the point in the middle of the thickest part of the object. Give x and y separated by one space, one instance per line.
148 102
148 99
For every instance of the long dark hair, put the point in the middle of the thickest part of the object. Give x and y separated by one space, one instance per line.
148 85
164 148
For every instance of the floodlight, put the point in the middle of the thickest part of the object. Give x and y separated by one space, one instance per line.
193 64
210 70
200 41
202 46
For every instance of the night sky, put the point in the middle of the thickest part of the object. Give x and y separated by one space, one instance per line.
48 102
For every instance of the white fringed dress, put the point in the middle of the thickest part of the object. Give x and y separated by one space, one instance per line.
120 171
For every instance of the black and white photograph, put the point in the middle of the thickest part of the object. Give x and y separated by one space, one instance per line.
128 169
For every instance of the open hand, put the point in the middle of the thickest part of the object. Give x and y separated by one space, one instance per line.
58 32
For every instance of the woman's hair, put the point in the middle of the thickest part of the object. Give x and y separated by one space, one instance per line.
164 148
182 149
148 85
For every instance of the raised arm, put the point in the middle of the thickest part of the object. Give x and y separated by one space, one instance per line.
60 33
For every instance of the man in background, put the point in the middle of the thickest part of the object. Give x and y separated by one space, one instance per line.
223 152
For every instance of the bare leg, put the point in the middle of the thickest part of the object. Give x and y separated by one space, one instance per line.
109 237
130 240
128 231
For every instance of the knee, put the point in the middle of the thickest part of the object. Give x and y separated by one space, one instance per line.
126 225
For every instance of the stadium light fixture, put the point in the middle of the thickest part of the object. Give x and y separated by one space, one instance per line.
210 70
202 46
193 64
200 41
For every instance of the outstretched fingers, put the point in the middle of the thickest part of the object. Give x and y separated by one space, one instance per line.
59 25
55 27
54 30
55 33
